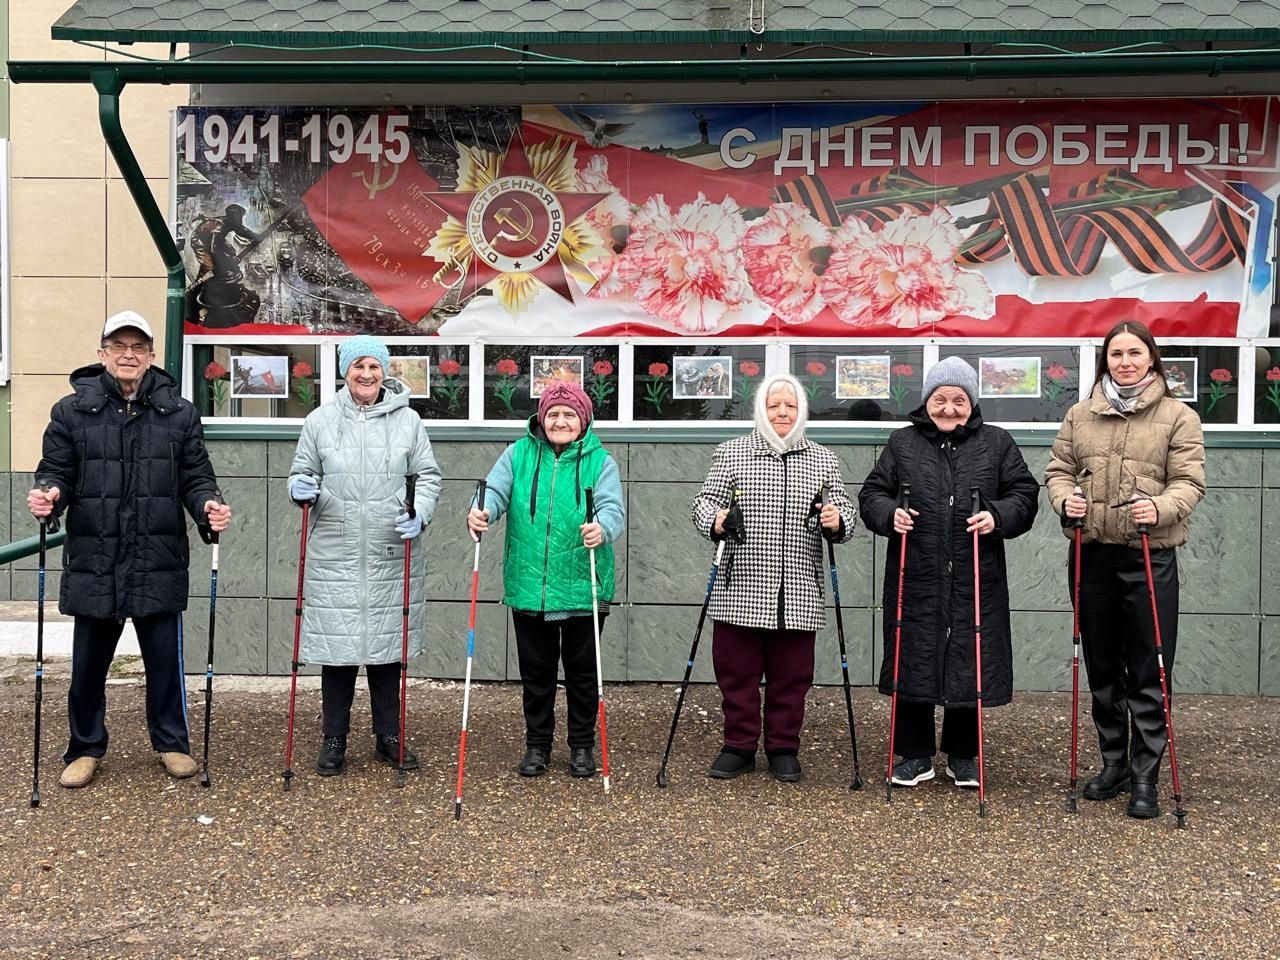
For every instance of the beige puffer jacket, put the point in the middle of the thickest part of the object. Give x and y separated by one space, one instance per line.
1155 452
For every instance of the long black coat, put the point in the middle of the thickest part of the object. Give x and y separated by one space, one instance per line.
125 470
937 662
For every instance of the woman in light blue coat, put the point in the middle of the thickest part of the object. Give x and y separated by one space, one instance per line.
352 459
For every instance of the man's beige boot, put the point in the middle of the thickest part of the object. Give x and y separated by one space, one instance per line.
179 765
79 772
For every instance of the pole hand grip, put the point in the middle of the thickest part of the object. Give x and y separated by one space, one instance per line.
482 486
1077 522
410 484
50 523
207 533
906 497
976 494
591 506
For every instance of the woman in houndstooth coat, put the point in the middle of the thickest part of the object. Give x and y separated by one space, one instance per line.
767 603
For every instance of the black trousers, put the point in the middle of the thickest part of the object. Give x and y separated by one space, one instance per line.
93 646
1118 641
338 689
543 645
914 736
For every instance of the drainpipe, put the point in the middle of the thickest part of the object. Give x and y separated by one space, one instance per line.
109 83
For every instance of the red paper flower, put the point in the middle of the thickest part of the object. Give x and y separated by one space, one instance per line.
658 369
1273 374
215 371
815 368
903 370
507 367
1056 371
602 368
749 368
1220 375
450 368
302 369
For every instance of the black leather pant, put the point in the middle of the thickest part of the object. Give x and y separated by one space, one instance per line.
1120 654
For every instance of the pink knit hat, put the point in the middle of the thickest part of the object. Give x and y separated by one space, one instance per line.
571 395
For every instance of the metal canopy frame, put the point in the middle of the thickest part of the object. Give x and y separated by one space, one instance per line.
110 78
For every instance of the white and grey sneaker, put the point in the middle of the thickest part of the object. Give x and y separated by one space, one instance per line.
963 770
912 771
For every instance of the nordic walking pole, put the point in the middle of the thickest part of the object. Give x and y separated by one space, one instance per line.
897 645
471 655
210 537
1178 811
595 623
856 783
693 650
47 525
977 656
297 636
1078 524
410 482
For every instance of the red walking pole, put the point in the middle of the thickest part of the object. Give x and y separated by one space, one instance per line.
410 481
1072 796
1178 811
297 636
471 655
897 646
977 661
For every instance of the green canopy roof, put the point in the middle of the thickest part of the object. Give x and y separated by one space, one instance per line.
434 22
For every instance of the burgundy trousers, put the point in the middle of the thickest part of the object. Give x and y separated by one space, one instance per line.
743 656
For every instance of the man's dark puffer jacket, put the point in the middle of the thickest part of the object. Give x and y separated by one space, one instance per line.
125 470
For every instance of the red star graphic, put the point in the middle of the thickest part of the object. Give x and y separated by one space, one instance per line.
515 163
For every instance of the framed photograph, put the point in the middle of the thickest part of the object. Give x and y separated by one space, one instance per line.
702 378
1008 377
257 376
862 378
544 371
1182 375
413 372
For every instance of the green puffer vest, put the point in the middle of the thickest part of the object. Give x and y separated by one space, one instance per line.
545 566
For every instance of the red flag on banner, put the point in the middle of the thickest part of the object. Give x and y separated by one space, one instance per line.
376 217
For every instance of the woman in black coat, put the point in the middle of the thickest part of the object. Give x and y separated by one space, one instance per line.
946 453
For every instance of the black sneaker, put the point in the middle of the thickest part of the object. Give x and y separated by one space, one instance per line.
912 771
963 770
730 764
534 763
785 767
387 749
582 762
1112 780
333 756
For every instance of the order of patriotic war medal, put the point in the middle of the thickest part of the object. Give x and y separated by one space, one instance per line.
515 224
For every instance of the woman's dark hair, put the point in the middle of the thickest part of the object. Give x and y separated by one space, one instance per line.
1140 331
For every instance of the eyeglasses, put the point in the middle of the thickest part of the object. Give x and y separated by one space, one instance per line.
120 349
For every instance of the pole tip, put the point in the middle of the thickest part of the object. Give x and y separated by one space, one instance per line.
457 810
856 784
204 778
35 798
662 779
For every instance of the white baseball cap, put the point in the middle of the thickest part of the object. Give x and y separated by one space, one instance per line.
127 318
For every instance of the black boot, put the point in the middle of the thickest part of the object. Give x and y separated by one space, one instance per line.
1111 781
387 749
534 763
730 764
1142 801
333 756
582 762
785 767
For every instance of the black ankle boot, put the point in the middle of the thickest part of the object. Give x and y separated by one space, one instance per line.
582 762
387 749
333 756
1142 801
534 763
1111 781
730 764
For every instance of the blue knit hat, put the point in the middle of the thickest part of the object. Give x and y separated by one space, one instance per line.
353 348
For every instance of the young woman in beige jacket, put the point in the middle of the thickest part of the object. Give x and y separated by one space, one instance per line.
1130 455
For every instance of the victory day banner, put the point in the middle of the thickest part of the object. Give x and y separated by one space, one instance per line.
996 218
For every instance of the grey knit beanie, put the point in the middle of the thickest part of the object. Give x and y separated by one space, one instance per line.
951 372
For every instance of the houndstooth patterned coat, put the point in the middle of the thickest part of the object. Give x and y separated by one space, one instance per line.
775 580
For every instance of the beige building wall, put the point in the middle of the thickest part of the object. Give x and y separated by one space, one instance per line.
79 249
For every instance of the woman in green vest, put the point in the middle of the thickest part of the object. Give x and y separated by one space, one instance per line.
539 483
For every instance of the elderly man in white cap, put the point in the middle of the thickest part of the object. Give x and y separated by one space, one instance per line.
123 455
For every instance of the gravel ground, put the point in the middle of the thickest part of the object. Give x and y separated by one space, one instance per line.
139 866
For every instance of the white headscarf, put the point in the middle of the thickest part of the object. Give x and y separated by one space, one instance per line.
771 382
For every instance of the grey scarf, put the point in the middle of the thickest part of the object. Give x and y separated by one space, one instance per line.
1123 398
